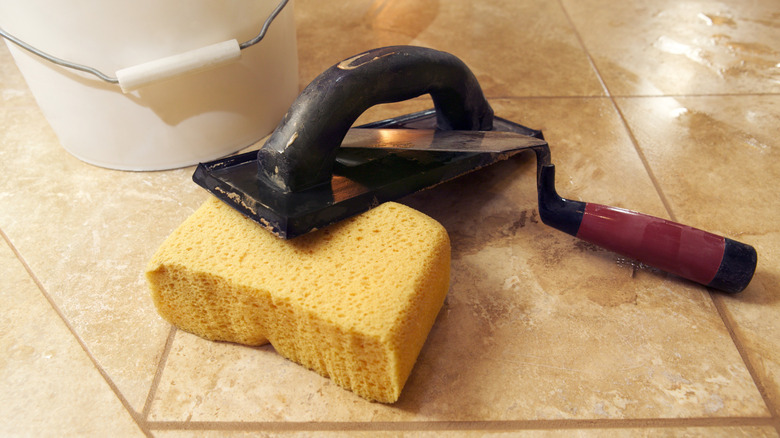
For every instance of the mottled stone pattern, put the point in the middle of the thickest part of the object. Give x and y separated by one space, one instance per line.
671 108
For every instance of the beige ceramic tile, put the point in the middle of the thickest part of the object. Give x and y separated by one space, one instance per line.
716 159
87 233
50 387
674 47
537 325
539 329
535 304
514 48
210 381
495 432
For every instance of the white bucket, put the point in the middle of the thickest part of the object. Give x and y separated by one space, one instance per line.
172 123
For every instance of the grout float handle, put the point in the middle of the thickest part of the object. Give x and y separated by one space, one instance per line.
204 58
301 152
691 253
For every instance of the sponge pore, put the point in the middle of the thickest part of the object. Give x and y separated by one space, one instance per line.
354 301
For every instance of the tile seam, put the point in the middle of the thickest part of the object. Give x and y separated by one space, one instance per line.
585 50
639 423
722 312
616 108
725 316
720 308
645 162
686 95
638 96
628 96
42 289
158 374
551 96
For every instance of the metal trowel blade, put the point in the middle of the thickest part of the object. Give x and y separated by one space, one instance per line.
372 166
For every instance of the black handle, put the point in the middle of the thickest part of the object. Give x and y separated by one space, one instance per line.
302 150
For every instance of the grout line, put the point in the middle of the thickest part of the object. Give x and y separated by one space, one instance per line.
158 374
585 50
773 408
684 95
508 425
717 300
133 414
629 96
623 120
664 200
694 95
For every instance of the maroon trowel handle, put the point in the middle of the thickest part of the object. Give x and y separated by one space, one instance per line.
689 252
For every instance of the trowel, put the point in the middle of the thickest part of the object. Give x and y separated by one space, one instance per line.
316 168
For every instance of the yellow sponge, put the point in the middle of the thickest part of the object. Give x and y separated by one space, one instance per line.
354 301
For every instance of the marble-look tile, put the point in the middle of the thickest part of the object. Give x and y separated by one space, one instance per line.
681 47
539 330
532 308
501 41
215 381
494 432
50 387
537 325
87 233
717 160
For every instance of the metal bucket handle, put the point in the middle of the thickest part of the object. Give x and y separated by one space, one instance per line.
137 76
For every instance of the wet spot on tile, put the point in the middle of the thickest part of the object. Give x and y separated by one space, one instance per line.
612 292
495 229
554 251
717 20
751 48
406 17
710 131
583 246
682 47
487 301
772 21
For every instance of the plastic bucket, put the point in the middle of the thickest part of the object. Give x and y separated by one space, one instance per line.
189 118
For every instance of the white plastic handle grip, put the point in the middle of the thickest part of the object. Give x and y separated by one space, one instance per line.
204 58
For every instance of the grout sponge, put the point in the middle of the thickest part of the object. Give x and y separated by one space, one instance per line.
354 301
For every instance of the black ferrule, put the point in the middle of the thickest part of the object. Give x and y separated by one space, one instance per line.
737 267
557 212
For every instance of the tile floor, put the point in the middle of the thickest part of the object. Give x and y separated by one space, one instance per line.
668 107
